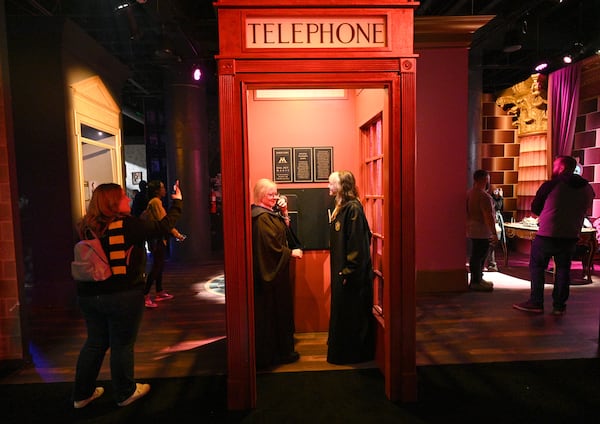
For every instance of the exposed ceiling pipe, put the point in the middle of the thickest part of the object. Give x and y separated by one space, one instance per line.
39 7
132 114
138 86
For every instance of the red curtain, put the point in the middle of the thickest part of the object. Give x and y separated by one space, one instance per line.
564 95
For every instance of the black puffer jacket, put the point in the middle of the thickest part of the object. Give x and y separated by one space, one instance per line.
561 205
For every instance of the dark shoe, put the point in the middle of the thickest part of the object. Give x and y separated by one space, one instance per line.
481 287
529 307
78 404
291 358
558 311
486 283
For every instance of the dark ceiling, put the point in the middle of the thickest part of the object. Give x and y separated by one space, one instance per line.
150 36
544 29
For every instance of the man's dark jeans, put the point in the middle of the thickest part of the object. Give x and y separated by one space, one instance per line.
479 251
542 249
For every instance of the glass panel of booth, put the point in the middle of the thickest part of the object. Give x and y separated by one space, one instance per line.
372 194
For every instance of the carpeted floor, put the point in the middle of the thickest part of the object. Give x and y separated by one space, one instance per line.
558 391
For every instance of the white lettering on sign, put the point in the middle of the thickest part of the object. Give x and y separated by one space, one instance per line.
299 33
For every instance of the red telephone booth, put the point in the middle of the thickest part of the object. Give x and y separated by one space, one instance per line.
356 62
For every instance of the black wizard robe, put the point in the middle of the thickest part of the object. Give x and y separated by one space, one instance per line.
273 289
351 326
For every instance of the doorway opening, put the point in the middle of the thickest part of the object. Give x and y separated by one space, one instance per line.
348 124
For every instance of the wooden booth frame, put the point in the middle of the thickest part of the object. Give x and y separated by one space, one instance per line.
241 70
399 359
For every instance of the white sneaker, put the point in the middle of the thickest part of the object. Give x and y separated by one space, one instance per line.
141 390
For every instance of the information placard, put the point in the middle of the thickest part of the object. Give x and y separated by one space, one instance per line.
303 164
323 163
282 164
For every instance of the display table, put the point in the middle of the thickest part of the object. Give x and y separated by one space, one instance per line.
587 238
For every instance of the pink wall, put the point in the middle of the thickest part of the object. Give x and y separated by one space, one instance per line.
300 123
441 169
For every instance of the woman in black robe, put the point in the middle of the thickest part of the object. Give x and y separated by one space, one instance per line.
273 291
351 324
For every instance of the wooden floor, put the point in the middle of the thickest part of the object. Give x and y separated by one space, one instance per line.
186 335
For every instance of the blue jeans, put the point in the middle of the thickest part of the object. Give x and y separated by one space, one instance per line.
542 249
112 320
479 251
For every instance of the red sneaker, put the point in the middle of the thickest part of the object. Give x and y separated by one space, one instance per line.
163 295
149 303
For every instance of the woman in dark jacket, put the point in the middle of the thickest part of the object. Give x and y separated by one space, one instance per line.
158 246
351 324
113 308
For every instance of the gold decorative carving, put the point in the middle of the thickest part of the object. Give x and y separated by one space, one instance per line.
527 102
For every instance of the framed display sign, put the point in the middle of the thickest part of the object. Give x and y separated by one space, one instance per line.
303 171
282 164
136 177
323 163
302 164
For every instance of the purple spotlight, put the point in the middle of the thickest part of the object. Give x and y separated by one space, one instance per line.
197 74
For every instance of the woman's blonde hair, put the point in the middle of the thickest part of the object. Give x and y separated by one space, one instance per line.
261 187
103 209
